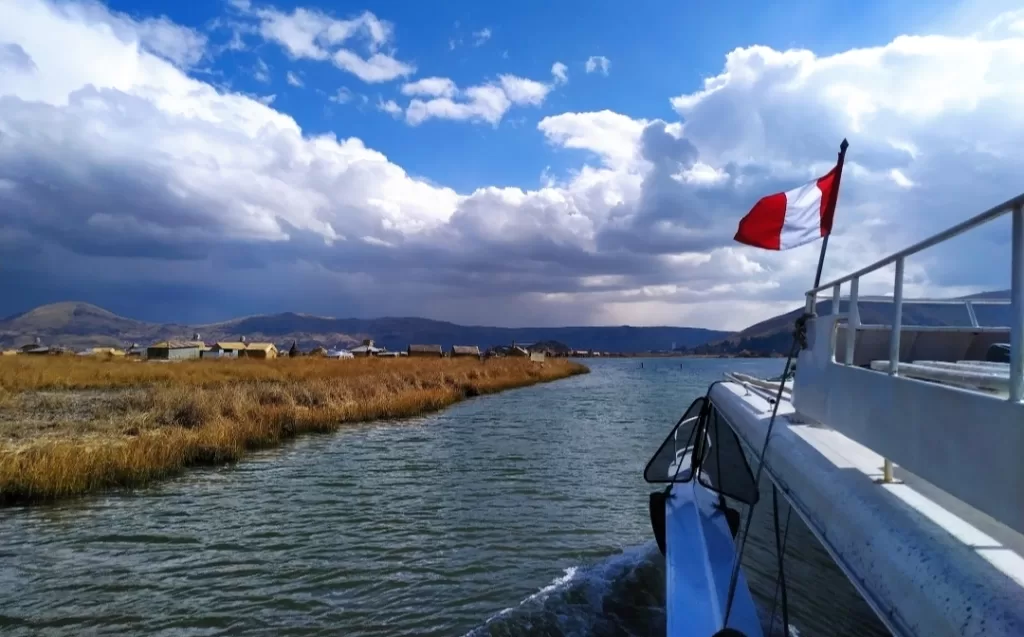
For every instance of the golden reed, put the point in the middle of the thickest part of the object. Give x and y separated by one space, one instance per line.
191 413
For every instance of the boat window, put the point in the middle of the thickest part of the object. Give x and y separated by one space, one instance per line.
673 460
724 468
703 440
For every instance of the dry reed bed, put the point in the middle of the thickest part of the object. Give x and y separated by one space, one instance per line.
78 425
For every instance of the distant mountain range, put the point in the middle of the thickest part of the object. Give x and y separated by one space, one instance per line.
80 325
774 336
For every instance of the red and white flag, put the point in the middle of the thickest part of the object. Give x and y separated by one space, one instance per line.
789 219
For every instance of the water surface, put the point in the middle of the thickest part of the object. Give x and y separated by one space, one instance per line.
522 513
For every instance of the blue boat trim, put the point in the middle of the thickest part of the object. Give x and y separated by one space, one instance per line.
698 566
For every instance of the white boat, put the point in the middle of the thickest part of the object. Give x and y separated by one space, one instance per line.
901 448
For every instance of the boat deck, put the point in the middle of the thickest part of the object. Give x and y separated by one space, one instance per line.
983 376
927 563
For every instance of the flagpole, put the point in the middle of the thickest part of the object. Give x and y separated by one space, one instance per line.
833 197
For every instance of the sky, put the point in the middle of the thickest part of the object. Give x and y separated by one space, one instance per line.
486 164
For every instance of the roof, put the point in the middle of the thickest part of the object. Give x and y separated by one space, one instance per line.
107 350
433 349
177 345
266 347
229 345
465 349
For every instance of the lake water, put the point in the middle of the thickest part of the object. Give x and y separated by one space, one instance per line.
522 513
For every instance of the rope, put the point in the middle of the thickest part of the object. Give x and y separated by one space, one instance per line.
780 549
799 342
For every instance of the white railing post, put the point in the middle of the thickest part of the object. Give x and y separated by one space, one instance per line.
852 320
812 298
835 298
897 320
894 344
1017 305
970 314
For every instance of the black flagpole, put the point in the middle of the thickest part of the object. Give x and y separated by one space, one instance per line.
833 197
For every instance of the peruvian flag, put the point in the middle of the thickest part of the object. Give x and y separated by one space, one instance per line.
789 219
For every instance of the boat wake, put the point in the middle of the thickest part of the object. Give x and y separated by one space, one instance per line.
620 596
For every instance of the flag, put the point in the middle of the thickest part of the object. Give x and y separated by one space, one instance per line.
789 219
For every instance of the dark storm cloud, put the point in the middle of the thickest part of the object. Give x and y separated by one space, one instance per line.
134 184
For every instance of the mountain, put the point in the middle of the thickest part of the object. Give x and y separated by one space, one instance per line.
775 335
78 325
83 325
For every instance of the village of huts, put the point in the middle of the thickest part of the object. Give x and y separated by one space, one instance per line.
189 349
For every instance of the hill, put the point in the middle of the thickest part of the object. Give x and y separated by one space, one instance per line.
78 325
774 336
83 325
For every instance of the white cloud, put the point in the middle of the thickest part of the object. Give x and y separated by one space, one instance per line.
342 96
900 179
481 36
377 68
431 87
294 79
483 103
598 64
486 103
312 34
390 107
261 72
181 45
1010 22
121 172
612 136
560 72
521 90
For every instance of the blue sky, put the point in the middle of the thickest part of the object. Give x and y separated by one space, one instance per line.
199 161
652 58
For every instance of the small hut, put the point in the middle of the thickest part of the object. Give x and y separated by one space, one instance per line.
261 350
465 350
426 350
367 349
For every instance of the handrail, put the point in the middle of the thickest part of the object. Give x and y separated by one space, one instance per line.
1016 206
949 233
927 301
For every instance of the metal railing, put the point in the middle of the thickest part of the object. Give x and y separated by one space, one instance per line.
1014 206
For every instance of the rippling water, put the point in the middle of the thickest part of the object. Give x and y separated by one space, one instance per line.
523 513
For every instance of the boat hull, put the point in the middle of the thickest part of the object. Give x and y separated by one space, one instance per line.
699 558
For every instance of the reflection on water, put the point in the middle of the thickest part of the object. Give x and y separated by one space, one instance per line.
523 513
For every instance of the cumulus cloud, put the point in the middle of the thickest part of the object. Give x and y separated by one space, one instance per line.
294 80
483 103
521 90
431 87
560 72
125 178
598 64
612 136
312 34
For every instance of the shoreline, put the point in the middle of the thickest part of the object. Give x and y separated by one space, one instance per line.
70 427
